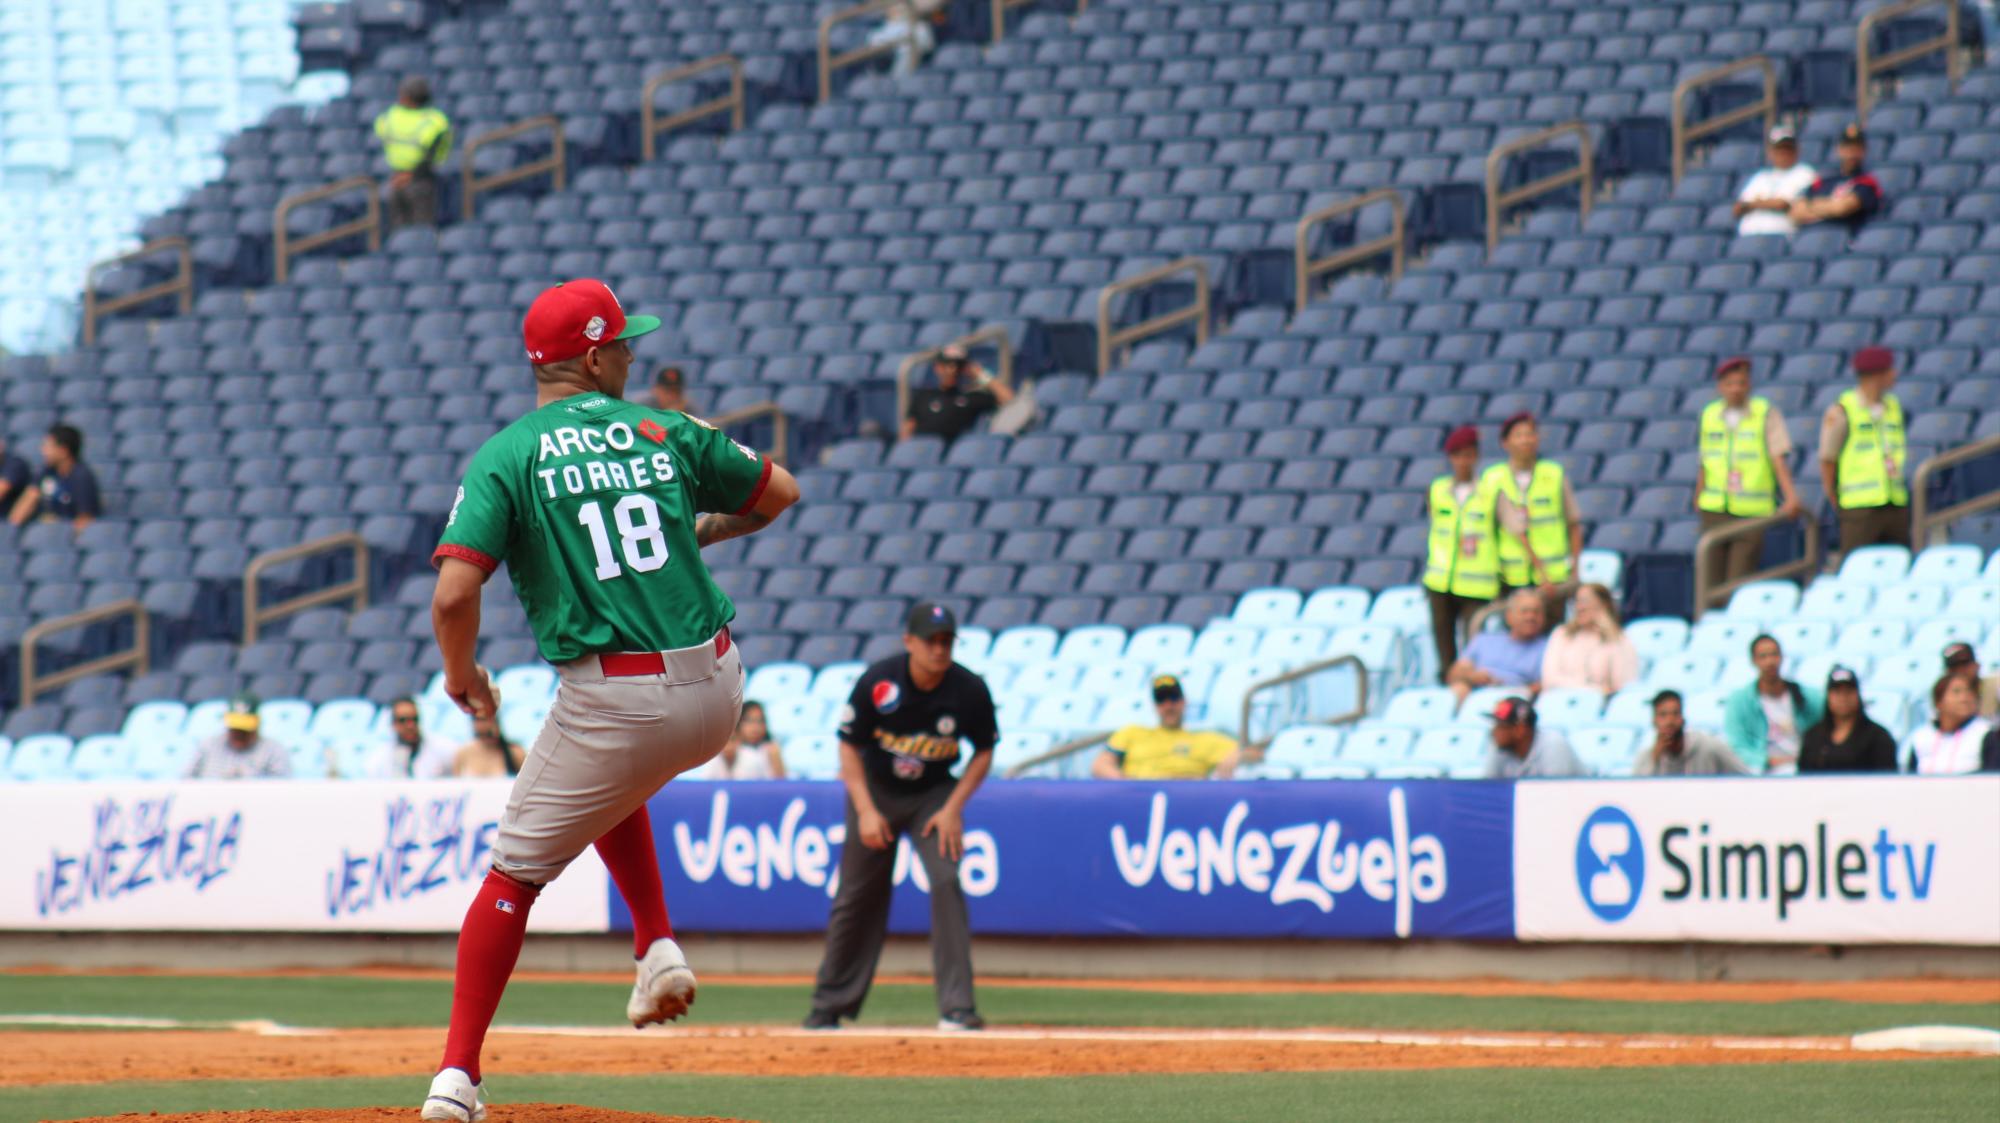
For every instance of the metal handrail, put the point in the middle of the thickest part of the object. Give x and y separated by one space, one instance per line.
980 338
1710 541
830 62
1497 201
1305 267
1867 65
1109 341
1923 520
1293 675
651 125
138 655
781 426
554 164
1686 134
1067 748
182 285
355 588
283 245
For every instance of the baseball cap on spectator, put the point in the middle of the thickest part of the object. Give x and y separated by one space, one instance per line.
1958 654
1513 711
1731 363
1522 418
1874 360
241 715
928 619
951 354
1852 134
1167 688
1465 436
1784 134
574 316
1843 676
668 376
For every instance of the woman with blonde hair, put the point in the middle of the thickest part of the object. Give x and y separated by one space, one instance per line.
1591 651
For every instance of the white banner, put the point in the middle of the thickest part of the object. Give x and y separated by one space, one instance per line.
1840 860
262 855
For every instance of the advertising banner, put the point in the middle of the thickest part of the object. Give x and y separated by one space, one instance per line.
1844 860
1357 859
261 855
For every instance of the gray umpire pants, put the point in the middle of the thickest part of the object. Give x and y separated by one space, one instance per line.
608 745
860 917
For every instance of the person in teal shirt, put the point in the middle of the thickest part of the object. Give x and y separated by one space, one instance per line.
1765 720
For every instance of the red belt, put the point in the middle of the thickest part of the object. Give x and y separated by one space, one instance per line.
633 664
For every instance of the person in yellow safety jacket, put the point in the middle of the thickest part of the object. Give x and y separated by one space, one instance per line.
1462 572
416 138
1745 471
1541 532
1862 456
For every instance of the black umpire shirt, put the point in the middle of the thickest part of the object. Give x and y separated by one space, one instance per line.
948 413
909 738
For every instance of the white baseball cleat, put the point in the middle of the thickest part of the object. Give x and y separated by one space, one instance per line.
665 988
455 1098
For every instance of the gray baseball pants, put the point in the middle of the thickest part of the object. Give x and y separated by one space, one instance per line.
860 918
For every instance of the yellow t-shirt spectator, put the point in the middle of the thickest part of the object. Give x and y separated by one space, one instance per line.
1151 753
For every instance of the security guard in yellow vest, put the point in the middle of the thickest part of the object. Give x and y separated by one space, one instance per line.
1745 470
416 138
1541 532
1862 456
1463 570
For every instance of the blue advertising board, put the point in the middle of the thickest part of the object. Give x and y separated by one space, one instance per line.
1350 859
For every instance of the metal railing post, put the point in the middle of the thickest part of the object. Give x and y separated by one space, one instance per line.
1066 749
1305 267
781 426
1807 564
1498 201
1108 341
907 368
33 683
1250 696
182 285
830 62
1686 134
1923 520
652 124
1867 64
554 165
256 615
283 245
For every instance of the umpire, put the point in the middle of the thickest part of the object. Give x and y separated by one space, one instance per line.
899 737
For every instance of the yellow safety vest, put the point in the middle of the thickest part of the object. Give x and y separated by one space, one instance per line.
413 137
1736 473
1548 523
1871 462
1464 558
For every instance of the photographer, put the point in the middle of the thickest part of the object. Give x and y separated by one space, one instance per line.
964 393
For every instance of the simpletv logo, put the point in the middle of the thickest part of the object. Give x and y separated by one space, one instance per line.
1701 865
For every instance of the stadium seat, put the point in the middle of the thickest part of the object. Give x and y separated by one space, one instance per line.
1303 748
1606 750
1658 637
1875 565
1565 709
1764 602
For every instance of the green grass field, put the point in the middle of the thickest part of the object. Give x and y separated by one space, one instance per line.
1808 1093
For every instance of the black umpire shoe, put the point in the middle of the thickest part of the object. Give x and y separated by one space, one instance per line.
822 1019
959 1021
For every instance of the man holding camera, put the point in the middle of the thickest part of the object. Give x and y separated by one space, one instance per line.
965 392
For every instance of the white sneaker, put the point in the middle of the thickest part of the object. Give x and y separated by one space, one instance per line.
665 988
455 1098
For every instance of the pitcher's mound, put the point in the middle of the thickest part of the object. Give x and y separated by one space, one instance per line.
503 1113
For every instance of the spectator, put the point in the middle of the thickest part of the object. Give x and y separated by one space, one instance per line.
908 29
1509 658
488 754
1591 652
1745 469
1166 751
751 754
964 393
14 475
410 753
670 391
1846 740
1952 742
1852 195
1541 533
1960 660
238 753
1677 751
1463 570
1989 751
416 138
1861 456
1765 204
1522 750
66 489
1764 720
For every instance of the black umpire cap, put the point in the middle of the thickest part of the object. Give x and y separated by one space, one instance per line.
930 619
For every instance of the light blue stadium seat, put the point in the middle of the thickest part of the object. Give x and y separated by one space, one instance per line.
1657 637
1404 608
1264 770
1686 672
160 760
1909 601
1222 705
1799 638
1703 709
285 720
1224 642
1933 635
1765 602
1603 567
522 721
1043 679
1876 565
1120 710
1723 636
103 756
1266 608
1092 644
1895 711
1161 645
155 721
344 719
1606 750
1871 637
1018 746
815 756
525 682
1336 607
204 719
1952 565
1293 645
1065 715
1025 645
972 646
1421 707
1836 600
1992 571
1382 650
1117 677
1811 670
1305 747
1565 708
43 756
1976 600
835 681
351 759
1631 707
774 681
798 715
1373 746
1910 672
1453 746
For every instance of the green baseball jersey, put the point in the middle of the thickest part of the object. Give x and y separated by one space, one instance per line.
591 502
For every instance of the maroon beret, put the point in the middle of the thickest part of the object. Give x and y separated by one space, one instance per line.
1465 436
1522 418
1731 363
1874 360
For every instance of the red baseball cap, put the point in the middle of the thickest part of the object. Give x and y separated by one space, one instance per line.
1465 436
571 318
1874 360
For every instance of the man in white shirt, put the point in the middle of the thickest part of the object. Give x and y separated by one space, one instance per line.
411 754
1765 204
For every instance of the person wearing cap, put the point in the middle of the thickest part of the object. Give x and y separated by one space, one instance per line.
1764 719
964 393
1851 195
1764 206
901 732
669 391
1166 751
1745 470
1680 751
1510 658
1863 455
238 752
1462 571
1523 750
1961 660
1541 528
1846 739
416 138
599 508
1949 744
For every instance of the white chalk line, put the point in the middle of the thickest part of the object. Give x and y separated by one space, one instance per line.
263 1027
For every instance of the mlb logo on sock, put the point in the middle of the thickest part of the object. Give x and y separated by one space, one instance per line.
504 906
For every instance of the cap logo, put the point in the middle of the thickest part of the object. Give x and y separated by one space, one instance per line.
594 330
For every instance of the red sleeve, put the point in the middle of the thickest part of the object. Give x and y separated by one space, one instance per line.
756 492
467 553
